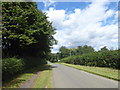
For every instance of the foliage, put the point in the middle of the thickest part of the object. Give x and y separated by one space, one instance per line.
17 82
26 30
52 57
65 52
11 67
101 59
26 34
104 49
31 62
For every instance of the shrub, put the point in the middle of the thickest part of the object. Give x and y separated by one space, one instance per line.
11 67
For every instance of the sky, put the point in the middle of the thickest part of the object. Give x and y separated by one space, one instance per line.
83 23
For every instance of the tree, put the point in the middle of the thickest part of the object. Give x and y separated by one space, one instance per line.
73 51
79 50
26 30
85 49
64 52
104 49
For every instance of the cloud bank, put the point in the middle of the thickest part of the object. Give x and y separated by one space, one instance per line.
96 26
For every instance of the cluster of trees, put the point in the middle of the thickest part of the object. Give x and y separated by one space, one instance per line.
26 34
26 30
66 52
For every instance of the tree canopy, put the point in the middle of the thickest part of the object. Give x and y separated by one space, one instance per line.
26 30
65 52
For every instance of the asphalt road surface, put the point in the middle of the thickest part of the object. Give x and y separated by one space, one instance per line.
67 77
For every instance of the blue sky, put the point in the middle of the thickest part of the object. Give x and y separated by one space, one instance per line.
83 23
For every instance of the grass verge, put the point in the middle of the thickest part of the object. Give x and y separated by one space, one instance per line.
105 72
44 79
17 81
20 79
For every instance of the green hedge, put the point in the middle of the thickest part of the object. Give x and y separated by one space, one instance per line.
14 66
101 59
11 67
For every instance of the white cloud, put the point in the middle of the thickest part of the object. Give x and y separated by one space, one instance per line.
84 26
108 14
47 3
57 16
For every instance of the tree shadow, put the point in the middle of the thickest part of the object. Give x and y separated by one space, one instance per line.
39 69
53 66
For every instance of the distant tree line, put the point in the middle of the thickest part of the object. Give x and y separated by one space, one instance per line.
66 52
86 55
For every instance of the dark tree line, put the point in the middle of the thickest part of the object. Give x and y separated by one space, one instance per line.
26 30
27 37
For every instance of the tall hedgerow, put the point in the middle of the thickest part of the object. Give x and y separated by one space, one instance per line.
101 59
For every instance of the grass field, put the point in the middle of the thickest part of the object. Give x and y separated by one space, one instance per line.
105 72
18 80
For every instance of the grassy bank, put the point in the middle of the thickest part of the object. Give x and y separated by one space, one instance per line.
43 80
18 80
105 72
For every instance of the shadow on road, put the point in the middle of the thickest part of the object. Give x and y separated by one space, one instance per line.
53 66
39 68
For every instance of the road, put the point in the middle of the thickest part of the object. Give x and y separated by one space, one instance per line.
67 77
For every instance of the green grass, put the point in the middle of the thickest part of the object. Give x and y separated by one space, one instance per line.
44 79
105 72
20 79
15 83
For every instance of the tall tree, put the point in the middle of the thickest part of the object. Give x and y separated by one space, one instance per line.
64 52
26 30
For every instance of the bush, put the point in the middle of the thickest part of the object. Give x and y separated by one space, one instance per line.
31 62
53 60
11 67
101 59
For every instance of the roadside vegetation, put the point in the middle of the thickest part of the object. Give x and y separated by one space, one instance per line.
27 37
44 77
104 62
99 59
44 80
86 55
101 71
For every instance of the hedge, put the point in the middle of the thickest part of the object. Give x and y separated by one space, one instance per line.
101 59
14 66
11 67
